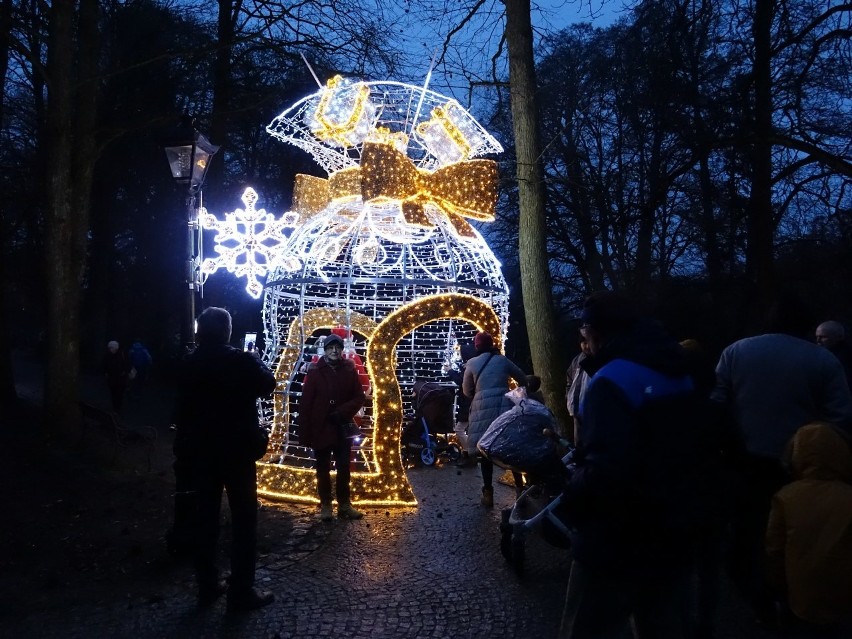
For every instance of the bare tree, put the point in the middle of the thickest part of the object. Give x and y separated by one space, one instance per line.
71 109
8 394
532 236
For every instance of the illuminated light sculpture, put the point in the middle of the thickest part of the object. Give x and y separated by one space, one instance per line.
245 241
448 135
344 115
385 484
383 248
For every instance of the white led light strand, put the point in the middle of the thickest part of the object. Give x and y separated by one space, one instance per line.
381 251
246 241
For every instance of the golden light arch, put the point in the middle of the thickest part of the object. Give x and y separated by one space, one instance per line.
388 485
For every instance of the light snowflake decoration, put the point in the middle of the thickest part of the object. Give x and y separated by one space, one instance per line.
246 241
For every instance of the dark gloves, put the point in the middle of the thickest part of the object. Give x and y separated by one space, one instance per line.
336 418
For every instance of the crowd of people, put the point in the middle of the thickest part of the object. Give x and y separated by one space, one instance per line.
683 466
682 469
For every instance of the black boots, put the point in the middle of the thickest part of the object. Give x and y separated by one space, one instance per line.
248 600
466 461
208 593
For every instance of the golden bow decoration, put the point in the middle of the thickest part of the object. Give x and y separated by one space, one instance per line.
462 190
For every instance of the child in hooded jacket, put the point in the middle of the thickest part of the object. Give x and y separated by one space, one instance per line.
809 535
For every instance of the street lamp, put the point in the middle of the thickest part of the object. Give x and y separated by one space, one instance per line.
189 154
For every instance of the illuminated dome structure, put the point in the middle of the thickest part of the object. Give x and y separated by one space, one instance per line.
382 253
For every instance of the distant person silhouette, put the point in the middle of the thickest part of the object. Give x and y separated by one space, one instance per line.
116 368
140 362
832 336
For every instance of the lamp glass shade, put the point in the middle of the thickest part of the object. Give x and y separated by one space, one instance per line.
189 157
180 161
201 154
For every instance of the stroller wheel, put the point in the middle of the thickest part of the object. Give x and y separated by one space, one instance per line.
453 452
506 542
427 456
518 555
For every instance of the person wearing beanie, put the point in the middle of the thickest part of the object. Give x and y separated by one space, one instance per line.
483 342
331 395
486 382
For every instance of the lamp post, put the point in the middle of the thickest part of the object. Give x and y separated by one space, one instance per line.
189 153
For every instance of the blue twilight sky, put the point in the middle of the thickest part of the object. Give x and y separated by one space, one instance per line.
422 32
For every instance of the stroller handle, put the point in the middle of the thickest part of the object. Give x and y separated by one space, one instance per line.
552 434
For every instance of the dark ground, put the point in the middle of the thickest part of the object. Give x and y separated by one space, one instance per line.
83 553
86 519
75 522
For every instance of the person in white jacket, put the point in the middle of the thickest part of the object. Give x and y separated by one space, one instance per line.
486 382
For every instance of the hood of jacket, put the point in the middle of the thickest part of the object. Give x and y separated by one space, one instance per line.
820 452
648 344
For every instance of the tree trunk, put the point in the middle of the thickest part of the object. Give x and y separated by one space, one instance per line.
222 90
69 138
86 149
532 237
8 395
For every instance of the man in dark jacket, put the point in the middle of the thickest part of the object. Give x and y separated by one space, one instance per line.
634 499
218 440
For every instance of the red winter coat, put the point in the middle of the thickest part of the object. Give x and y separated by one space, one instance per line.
330 395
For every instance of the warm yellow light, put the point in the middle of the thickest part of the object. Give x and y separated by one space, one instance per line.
443 136
342 120
462 190
389 485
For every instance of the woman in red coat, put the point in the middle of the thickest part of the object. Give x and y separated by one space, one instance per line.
331 395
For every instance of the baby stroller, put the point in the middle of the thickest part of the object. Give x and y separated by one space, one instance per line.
523 440
424 436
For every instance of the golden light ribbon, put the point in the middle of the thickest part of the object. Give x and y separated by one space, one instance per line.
465 189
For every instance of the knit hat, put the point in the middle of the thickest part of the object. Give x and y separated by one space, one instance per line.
333 339
483 342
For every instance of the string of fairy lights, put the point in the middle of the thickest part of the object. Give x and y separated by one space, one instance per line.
381 250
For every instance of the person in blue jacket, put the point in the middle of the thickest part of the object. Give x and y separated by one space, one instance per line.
635 499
